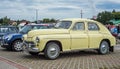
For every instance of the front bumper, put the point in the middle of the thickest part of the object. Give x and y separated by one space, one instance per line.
30 47
3 44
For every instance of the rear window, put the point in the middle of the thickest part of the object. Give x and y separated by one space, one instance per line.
93 27
8 29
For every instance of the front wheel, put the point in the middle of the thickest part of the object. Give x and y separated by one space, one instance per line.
52 50
104 48
17 45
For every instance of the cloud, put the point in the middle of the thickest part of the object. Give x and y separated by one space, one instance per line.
109 5
26 9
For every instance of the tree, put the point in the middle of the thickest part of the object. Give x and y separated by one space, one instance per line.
113 11
1 21
104 17
5 20
52 20
116 15
46 20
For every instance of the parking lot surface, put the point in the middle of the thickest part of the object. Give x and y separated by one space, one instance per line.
88 59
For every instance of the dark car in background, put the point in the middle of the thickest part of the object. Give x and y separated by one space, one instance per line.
30 27
13 41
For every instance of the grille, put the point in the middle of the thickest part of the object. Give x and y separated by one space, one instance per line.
30 43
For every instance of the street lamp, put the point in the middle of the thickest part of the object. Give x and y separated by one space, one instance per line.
36 15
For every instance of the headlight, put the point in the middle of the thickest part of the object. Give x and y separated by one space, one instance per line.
37 40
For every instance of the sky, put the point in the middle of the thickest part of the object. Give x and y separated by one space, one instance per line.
57 9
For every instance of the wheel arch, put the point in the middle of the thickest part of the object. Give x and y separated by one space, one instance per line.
107 40
15 40
111 48
56 41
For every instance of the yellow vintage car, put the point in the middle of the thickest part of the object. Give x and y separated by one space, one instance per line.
70 35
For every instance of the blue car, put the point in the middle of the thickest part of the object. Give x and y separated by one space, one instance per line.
13 41
4 32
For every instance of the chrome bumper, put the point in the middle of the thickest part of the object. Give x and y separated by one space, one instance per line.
28 47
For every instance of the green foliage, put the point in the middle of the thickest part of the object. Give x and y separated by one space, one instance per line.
116 15
4 21
1 21
47 20
104 17
113 11
52 20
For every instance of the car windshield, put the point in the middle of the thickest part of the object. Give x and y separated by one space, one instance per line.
8 30
28 28
63 24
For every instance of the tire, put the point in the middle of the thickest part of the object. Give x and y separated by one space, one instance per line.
52 50
104 48
33 53
17 45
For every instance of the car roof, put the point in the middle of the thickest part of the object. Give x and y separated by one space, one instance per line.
77 19
7 26
40 24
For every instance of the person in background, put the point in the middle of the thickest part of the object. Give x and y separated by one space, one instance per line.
114 30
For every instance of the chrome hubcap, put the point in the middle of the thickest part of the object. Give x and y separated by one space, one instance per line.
104 47
18 46
53 51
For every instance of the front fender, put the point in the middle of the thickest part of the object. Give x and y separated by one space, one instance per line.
13 38
64 39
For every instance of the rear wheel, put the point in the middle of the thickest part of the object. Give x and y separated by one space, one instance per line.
104 47
17 45
52 50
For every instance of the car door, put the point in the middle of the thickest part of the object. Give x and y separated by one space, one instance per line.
79 37
94 34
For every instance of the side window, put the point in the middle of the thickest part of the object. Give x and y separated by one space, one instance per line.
79 26
93 27
12 29
4 30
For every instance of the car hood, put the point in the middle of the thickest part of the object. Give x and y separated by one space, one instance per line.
5 34
47 32
16 34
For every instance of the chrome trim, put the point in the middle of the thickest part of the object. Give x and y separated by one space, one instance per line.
28 47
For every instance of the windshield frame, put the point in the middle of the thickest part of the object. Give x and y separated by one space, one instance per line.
25 29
